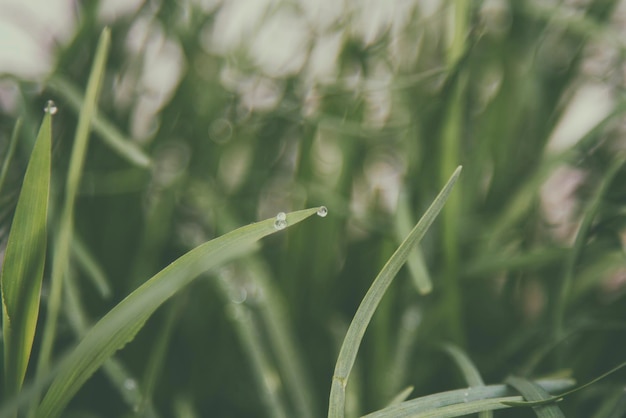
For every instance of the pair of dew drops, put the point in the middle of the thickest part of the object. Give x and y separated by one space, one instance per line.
281 218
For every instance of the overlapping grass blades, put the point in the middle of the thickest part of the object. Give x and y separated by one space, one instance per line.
24 260
533 392
468 369
121 324
461 402
354 336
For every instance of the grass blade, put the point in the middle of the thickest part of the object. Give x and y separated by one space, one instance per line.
354 336
417 265
469 370
107 131
65 230
22 269
533 392
123 322
402 396
432 405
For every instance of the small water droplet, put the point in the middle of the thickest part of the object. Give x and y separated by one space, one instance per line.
281 221
239 295
51 107
130 384
221 130
465 395
322 211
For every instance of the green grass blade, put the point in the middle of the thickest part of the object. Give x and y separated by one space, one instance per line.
121 324
107 131
417 265
468 369
354 336
402 396
63 239
432 405
268 380
24 260
88 263
119 377
10 151
533 392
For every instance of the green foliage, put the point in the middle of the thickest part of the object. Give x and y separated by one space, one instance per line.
188 122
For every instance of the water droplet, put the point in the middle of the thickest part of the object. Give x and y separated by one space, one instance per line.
322 211
281 221
221 130
465 395
51 107
130 384
238 295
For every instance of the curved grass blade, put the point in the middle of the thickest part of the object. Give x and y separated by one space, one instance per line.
533 392
354 336
123 322
468 369
434 404
22 269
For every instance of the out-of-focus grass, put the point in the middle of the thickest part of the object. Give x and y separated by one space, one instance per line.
215 116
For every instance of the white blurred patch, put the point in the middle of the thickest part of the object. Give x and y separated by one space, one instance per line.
111 10
322 65
280 47
559 203
327 158
29 30
235 24
589 105
372 18
322 14
161 71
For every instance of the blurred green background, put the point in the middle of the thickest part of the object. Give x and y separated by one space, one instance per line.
245 108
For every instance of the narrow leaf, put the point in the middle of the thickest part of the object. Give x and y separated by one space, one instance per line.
123 322
24 260
354 336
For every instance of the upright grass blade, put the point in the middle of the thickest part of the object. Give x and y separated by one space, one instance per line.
354 336
533 392
10 151
109 133
22 269
123 322
65 229
470 372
